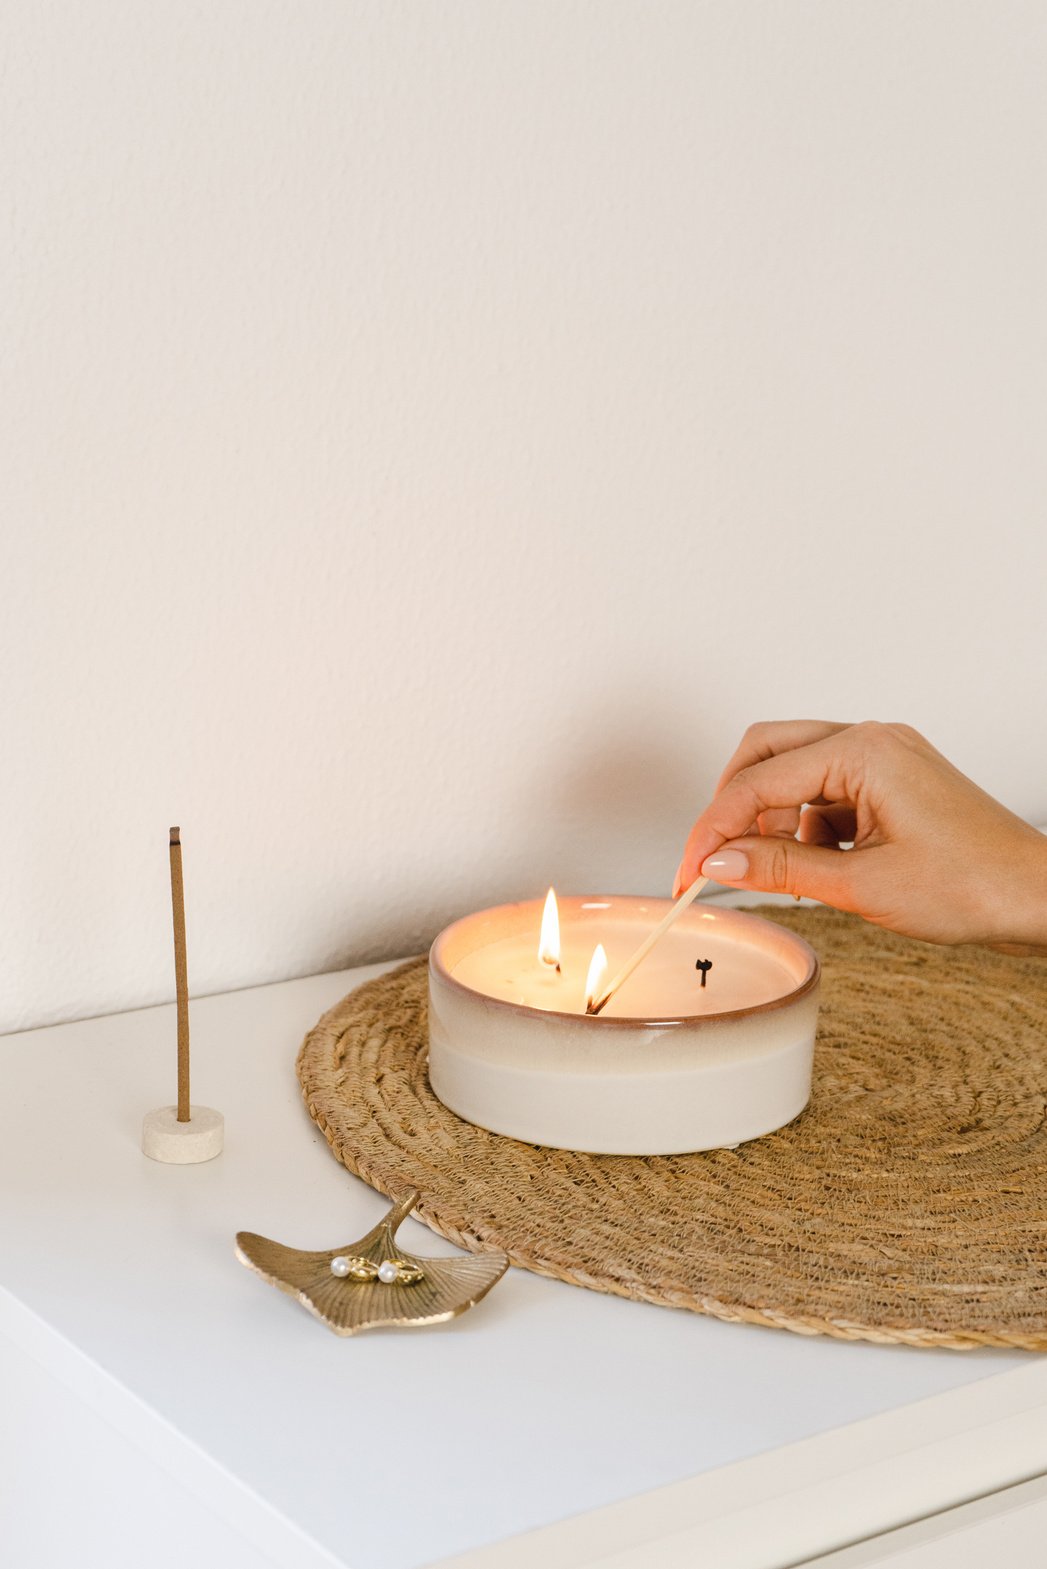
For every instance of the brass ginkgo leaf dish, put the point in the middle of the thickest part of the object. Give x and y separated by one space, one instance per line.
372 1282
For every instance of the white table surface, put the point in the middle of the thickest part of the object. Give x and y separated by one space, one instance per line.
545 1403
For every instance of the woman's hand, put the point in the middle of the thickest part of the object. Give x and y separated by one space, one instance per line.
933 856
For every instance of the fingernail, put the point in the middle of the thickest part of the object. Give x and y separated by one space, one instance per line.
676 881
726 866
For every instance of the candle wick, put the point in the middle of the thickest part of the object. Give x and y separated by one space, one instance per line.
705 965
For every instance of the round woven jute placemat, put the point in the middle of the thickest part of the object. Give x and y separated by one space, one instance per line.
908 1203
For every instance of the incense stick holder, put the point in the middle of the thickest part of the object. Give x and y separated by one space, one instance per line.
708 1044
183 1143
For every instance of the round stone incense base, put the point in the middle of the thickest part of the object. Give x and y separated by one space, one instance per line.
906 1204
183 1143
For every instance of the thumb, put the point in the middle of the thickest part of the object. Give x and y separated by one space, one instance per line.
772 865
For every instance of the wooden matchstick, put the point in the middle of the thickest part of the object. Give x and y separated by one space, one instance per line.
181 974
672 914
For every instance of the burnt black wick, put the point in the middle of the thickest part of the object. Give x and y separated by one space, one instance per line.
705 965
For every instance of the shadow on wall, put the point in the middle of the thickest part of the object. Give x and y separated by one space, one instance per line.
606 812
626 798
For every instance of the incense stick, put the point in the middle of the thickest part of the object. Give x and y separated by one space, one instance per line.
648 943
181 1135
181 974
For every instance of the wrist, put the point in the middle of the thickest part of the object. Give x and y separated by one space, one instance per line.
1020 908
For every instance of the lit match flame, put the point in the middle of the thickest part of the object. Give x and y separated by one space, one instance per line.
597 975
549 942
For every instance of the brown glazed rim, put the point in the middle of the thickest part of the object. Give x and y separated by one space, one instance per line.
438 968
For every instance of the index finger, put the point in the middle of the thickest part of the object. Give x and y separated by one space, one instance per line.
768 739
788 779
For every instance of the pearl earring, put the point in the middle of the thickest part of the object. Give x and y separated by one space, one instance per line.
391 1271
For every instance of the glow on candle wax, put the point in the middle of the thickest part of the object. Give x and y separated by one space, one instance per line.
502 960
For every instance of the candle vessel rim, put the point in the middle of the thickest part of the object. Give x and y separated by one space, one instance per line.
731 917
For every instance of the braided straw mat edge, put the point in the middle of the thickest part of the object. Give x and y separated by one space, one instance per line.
908 1203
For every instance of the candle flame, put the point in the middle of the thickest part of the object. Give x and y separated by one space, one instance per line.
549 941
597 975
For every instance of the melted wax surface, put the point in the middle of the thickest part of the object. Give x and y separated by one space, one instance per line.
665 985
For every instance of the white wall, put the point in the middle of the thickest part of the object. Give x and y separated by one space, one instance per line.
433 431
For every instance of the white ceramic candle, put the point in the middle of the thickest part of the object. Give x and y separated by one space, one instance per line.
669 1066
